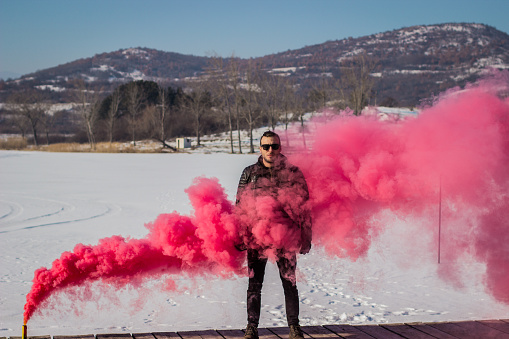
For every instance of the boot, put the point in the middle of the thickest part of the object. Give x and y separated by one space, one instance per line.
295 332
251 332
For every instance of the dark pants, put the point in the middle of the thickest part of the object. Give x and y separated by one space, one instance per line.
256 266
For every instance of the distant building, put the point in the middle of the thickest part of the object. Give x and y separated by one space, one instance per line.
183 142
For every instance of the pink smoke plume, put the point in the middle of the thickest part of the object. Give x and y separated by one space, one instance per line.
199 244
269 222
358 166
355 167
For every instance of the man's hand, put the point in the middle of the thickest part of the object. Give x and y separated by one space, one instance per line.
241 246
305 248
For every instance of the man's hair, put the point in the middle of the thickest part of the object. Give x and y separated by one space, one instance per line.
270 134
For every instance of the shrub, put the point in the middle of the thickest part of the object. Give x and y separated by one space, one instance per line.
13 143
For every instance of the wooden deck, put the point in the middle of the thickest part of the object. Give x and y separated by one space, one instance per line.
481 329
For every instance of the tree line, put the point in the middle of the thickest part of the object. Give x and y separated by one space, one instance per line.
231 95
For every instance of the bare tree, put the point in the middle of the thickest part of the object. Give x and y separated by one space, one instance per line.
287 101
164 115
198 104
318 96
47 120
20 122
28 110
113 113
324 90
358 81
272 88
134 101
251 107
302 106
220 90
227 90
157 117
88 103
234 83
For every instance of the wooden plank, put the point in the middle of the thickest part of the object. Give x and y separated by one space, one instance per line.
210 334
283 332
264 333
33 337
142 336
470 329
231 334
318 332
452 329
498 324
348 331
482 331
114 336
166 335
189 334
378 331
203 334
431 331
80 336
407 331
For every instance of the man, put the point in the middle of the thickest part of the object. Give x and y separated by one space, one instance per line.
280 186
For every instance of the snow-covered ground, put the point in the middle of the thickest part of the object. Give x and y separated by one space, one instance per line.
50 202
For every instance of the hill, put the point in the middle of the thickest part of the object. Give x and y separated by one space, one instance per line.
412 63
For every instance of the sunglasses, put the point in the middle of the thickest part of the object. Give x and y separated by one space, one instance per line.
266 147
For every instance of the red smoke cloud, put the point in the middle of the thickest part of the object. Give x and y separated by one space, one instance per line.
269 221
356 167
360 165
199 244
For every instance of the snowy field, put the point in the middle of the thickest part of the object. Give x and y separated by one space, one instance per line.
49 202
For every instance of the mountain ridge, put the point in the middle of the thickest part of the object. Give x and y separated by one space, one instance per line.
413 62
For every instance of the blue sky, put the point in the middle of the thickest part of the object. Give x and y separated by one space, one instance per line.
38 34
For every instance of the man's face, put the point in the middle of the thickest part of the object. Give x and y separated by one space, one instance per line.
270 155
